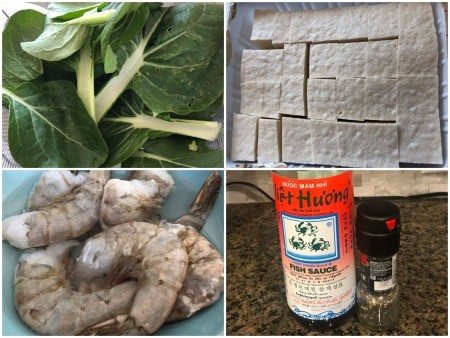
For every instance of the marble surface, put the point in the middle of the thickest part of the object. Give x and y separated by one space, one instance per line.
255 295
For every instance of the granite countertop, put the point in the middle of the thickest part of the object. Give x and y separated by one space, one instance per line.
256 301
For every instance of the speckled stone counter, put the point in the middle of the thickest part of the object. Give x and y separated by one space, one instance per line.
256 303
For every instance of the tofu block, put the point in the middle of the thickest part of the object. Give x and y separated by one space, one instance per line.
381 145
269 143
323 61
352 59
292 96
382 21
350 99
351 138
325 142
418 120
381 99
417 55
243 142
321 99
281 29
303 28
271 100
261 65
262 29
420 140
416 19
252 95
417 95
296 142
315 26
253 65
382 58
294 60
352 23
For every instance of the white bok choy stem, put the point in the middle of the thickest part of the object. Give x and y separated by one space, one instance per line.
85 78
205 130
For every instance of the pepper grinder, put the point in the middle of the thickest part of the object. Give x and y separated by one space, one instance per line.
378 241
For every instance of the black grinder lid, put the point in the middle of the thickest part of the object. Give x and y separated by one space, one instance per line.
378 228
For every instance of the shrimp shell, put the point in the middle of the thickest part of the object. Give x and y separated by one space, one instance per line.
160 264
46 302
68 219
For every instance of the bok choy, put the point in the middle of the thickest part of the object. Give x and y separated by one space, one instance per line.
103 84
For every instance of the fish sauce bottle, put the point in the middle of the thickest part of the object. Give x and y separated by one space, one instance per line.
315 214
378 241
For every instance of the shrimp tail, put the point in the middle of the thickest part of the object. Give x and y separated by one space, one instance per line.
203 202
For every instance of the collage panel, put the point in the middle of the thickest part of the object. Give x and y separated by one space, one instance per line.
337 84
113 252
337 252
113 84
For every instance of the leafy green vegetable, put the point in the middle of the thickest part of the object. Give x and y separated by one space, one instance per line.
57 42
50 127
159 71
129 124
176 65
72 10
174 152
17 65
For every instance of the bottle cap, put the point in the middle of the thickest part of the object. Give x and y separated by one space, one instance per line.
378 228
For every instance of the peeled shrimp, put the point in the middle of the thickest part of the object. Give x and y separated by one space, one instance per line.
70 218
46 302
153 255
52 186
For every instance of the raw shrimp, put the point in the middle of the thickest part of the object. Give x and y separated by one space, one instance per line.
75 215
204 279
48 305
153 255
52 186
136 200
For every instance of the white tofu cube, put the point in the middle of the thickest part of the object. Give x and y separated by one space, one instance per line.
274 64
350 99
325 142
296 142
382 59
351 139
262 29
243 142
381 99
381 145
282 29
271 100
294 60
323 61
321 96
291 98
352 59
269 143
382 21
353 23
252 95
253 66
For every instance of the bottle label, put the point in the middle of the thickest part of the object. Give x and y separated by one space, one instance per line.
315 218
378 274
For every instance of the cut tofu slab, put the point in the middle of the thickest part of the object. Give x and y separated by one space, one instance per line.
351 138
416 20
368 145
262 29
292 96
382 58
296 141
324 136
321 99
261 65
315 26
323 61
418 120
252 95
243 142
382 21
381 99
352 59
420 140
350 99
269 143
294 60
281 29
417 56
381 145
271 100
352 24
